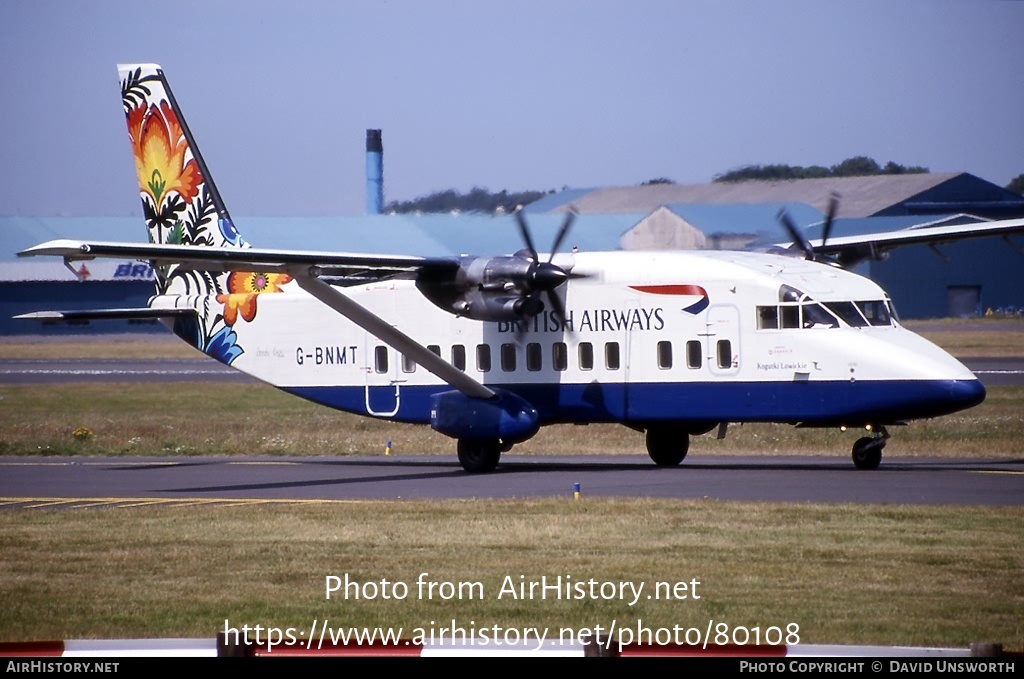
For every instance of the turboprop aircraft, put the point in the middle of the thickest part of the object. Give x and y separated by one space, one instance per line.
487 349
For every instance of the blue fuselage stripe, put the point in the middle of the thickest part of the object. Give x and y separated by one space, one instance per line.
882 401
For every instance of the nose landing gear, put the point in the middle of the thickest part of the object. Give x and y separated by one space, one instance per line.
867 452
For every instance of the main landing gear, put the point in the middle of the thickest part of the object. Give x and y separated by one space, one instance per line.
479 457
867 452
667 446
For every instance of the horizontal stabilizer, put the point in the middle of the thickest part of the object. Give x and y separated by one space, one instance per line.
143 314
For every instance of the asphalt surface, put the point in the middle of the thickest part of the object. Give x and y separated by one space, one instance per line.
25 481
783 479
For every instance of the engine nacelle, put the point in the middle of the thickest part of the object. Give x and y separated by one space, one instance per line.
507 417
492 288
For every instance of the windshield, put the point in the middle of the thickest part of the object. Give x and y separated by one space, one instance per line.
876 312
798 310
848 312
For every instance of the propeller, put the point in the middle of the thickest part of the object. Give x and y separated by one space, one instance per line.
800 239
544 277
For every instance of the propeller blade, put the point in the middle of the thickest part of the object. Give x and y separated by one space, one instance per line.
524 231
795 233
569 217
833 205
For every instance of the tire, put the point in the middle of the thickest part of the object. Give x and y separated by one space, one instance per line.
667 446
867 453
479 457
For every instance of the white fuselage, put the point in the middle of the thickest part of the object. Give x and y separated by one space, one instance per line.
647 336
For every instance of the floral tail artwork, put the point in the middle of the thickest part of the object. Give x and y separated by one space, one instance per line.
182 206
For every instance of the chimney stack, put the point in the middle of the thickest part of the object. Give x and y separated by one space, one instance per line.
374 173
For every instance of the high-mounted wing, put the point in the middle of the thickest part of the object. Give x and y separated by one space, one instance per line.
848 251
247 259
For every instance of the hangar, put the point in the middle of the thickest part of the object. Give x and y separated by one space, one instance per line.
959 279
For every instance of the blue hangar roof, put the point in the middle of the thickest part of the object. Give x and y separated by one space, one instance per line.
738 218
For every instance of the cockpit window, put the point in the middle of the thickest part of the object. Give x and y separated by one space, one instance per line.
797 309
787 293
892 311
848 312
815 316
877 312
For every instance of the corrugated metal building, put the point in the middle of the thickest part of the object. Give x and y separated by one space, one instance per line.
966 278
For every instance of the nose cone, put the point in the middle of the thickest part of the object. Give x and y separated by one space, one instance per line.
966 393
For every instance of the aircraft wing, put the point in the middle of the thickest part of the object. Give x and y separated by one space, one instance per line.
851 250
305 267
243 259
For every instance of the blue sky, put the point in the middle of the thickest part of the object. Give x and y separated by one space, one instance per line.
515 95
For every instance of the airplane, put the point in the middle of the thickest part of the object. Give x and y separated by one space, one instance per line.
488 349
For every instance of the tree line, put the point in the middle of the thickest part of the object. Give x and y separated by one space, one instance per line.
476 200
857 166
481 200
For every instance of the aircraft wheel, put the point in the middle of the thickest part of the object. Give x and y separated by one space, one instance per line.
667 447
867 453
479 457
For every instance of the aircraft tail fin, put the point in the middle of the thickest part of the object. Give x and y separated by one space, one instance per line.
182 207
180 202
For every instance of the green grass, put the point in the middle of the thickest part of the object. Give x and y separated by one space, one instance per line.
860 574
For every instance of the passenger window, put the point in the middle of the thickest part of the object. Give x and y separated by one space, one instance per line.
694 355
408 365
434 348
664 355
724 354
611 355
508 357
483 357
534 356
559 356
380 359
459 356
586 356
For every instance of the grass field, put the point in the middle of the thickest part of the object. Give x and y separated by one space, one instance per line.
858 574
852 574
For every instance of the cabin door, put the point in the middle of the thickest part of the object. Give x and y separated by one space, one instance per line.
722 347
383 368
